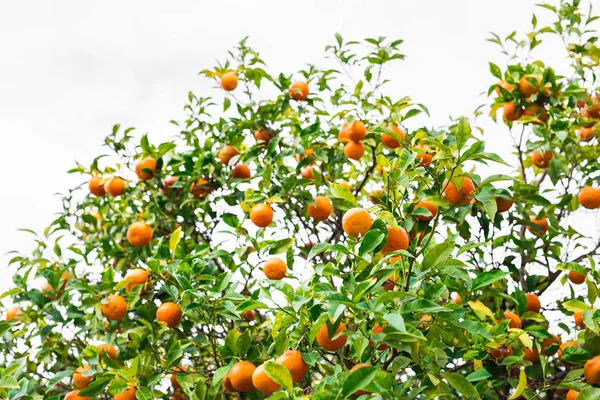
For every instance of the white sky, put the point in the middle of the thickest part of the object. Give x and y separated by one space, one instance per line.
69 70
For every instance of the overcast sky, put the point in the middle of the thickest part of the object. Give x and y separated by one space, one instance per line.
69 70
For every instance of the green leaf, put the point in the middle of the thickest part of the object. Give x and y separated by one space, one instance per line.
463 132
95 388
317 249
340 192
9 382
279 374
251 305
174 240
495 70
370 242
461 384
396 321
521 386
575 305
476 328
437 254
174 354
488 278
358 379
422 306
478 375
488 201
143 393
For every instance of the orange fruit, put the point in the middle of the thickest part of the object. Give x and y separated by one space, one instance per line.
541 161
108 350
592 107
462 196
354 150
511 112
307 172
96 186
591 370
505 85
578 316
536 111
345 184
240 376
391 142
229 81
13 312
80 381
129 394
515 320
589 197
167 184
532 356
390 284
424 156
502 204
293 361
170 313
227 384
458 299
179 370
326 341
136 276
568 343
321 210
299 90
227 153
261 215
241 171
356 131
307 153
528 89
344 135
576 277
500 353
549 342
115 186
249 315
74 395
201 188
357 366
376 196
275 269
397 240
114 308
432 208
377 329
572 395
533 303
139 234
585 134
262 382
356 221
146 168
541 226
263 136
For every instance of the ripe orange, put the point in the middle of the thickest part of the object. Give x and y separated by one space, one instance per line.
74 395
241 171
115 186
80 381
515 320
572 395
424 156
589 197
262 382
593 109
462 196
227 384
167 184
541 161
229 81
261 215
432 208
344 135
376 196
299 90
307 153
179 370
397 240
356 131
345 184
275 269
585 134
108 350
139 234
13 312
541 226
357 366
240 376
136 276
146 168
308 172
503 205
170 313
326 342
562 347
321 210
532 356
533 303
201 188
292 360
129 394
377 329
249 315
525 86
390 284
227 153
576 277
96 186
591 370
458 299
356 221
114 308
354 150
500 353
263 136
549 342
578 316
506 86
511 112
536 111
391 142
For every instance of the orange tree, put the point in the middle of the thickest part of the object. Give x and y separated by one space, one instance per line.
307 243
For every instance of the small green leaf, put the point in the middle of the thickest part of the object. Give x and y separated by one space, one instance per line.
461 384
488 278
279 374
358 379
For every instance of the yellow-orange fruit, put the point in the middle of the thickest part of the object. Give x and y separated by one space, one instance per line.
299 90
356 131
502 204
533 302
541 161
585 134
136 276
146 168
391 142
167 184
576 277
263 136
572 395
96 186
432 208
321 210
115 186
307 172
589 197
13 312
345 184
241 171
511 112
515 320
424 156
275 269
114 307
261 215
377 329
183 368
397 240
541 226
227 384
293 361
107 349
262 382
505 85
500 353
229 81
536 111
139 234
591 370
568 343
549 342
170 313
326 341
526 87
354 150
249 315
578 316
532 356
129 394
227 153
74 395
356 221
462 196
79 380
201 188
240 376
